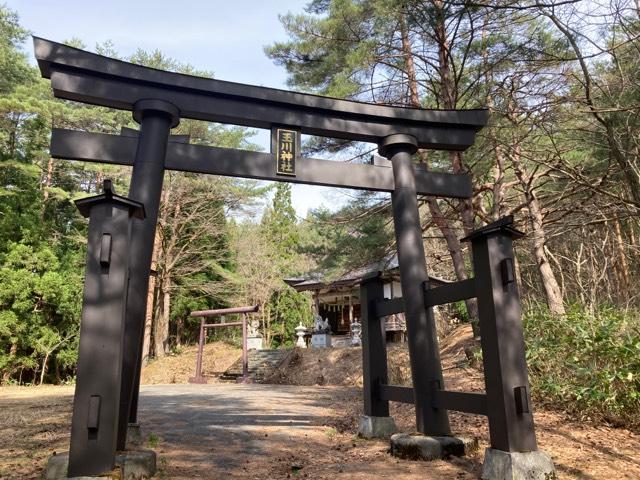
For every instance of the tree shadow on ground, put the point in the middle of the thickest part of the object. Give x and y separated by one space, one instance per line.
272 431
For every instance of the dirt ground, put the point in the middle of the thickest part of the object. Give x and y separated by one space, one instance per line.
260 433
258 436
218 356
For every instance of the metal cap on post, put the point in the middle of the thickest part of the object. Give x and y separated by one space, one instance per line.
502 225
94 425
84 205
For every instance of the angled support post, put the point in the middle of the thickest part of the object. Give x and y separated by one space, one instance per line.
514 452
96 403
503 350
156 118
376 422
426 368
374 348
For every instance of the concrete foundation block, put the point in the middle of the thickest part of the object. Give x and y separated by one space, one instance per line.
499 465
137 464
134 435
415 446
376 427
130 465
57 466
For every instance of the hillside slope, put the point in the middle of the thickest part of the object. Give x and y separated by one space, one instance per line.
177 368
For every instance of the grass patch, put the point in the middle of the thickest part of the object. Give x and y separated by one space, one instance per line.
331 433
153 440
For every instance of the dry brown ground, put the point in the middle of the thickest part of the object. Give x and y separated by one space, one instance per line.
34 422
218 356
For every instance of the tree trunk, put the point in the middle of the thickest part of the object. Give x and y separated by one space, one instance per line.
549 281
161 324
166 305
44 367
179 329
453 244
48 179
622 263
527 182
148 318
6 375
457 258
497 190
56 370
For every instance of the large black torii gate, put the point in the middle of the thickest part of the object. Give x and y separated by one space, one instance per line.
158 99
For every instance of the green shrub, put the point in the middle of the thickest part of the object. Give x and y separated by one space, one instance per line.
587 363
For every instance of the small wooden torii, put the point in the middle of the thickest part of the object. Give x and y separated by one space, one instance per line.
198 378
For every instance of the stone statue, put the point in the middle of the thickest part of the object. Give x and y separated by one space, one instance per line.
326 328
321 333
320 325
253 328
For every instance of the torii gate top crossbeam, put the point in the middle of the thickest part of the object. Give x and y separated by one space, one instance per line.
90 78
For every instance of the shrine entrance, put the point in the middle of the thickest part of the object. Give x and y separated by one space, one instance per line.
121 233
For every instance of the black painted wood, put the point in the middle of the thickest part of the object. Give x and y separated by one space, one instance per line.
424 353
396 393
450 293
389 307
461 401
120 150
511 426
146 186
89 78
96 403
374 349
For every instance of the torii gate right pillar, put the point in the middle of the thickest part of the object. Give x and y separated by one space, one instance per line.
426 368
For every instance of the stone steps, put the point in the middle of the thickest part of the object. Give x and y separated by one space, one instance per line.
262 363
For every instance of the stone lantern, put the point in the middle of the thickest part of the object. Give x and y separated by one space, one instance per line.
301 331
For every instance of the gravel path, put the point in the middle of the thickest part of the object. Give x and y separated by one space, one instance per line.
229 430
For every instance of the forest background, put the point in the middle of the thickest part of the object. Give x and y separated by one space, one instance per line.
561 154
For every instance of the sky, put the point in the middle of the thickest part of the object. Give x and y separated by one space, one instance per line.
225 37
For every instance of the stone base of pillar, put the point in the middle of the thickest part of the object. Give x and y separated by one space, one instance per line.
376 427
499 465
130 465
415 446
134 436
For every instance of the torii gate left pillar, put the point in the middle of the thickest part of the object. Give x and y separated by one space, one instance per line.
156 119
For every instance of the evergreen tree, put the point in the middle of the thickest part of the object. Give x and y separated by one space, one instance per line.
280 225
286 307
